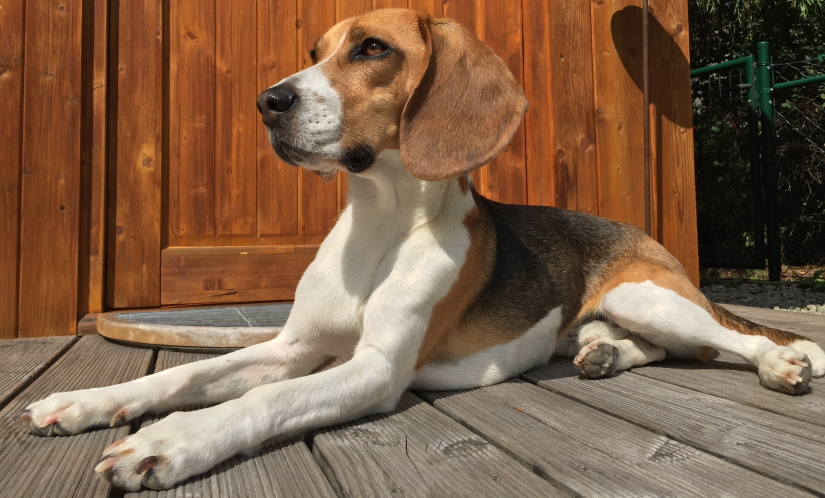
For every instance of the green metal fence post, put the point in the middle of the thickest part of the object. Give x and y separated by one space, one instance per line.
769 168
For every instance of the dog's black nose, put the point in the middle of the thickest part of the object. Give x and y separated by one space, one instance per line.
276 100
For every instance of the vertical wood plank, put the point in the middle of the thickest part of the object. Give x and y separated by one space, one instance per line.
672 132
277 59
50 190
388 4
93 180
539 127
318 201
574 143
192 170
434 7
134 255
505 177
11 101
617 49
236 117
344 9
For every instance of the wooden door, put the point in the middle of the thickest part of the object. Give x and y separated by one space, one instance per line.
202 211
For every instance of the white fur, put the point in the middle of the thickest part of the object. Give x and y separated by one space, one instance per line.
497 363
814 353
633 350
663 317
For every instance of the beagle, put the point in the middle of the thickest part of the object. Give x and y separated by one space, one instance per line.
422 283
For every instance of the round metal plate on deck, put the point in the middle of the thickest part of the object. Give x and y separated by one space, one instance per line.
219 327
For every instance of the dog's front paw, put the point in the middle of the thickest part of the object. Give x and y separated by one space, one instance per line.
786 370
597 359
164 453
68 413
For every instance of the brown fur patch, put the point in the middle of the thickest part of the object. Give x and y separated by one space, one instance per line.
705 353
441 96
464 184
465 110
445 331
374 92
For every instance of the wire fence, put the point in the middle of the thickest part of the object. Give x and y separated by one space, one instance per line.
760 162
728 202
800 156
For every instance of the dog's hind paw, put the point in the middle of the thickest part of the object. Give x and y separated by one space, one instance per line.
784 369
597 359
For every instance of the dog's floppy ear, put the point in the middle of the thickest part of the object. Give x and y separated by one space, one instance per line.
465 109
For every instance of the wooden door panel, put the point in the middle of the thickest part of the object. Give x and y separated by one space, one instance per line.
232 274
193 121
237 118
240 225
277 182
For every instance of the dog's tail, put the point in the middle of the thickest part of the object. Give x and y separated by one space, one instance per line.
781 337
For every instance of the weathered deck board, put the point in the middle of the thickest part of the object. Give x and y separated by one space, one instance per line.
416 451
737 384
657 430
786 449
810 326
284 469
591 453
24 359
34 466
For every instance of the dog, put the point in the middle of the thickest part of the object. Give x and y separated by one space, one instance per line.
422 283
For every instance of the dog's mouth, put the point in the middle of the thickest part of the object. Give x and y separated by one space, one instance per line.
288 154
358 159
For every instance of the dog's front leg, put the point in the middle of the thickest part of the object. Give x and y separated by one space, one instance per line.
189 443
204 382
383 364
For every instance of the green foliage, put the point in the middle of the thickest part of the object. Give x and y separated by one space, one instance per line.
747 11
814 282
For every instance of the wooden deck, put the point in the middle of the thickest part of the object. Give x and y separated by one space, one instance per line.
670 429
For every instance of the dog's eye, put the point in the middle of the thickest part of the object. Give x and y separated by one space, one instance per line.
373 47
313 55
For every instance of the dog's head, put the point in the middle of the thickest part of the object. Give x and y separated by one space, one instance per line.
395 79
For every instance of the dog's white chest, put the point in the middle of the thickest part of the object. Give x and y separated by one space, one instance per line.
392 220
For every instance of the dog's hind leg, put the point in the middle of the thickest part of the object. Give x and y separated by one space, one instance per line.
602 348
683 325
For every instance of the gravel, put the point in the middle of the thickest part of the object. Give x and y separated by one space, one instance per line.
779 297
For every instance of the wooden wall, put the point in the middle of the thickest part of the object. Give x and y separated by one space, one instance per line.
40 136
138 173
